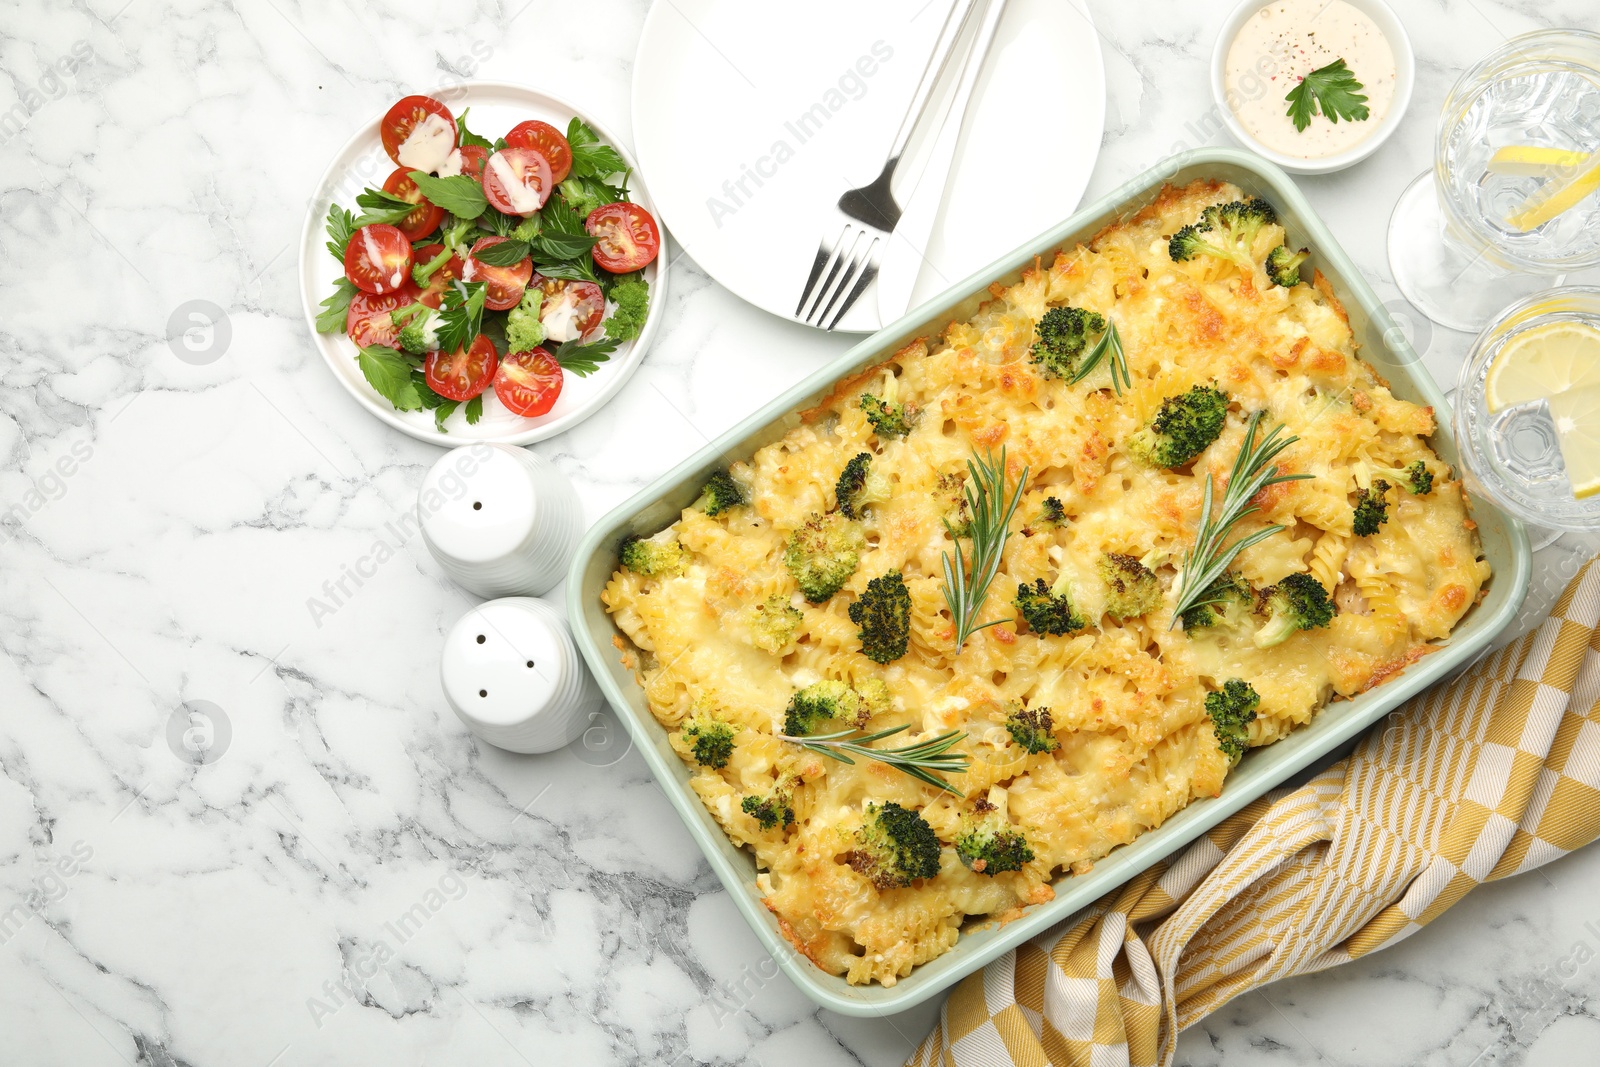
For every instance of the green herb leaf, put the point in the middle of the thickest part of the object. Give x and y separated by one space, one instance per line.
459 194
1331 91
379 207
475 410
461 315
967 580
558 216
389 373
920 759
584 359
336 308
341 225
496 222
590 158
583 195
572 270
442 412
557 246
466 136
1109 347
505 254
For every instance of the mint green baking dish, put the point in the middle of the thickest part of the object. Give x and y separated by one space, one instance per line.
1505 544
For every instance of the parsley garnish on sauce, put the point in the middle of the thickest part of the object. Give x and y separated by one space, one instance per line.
1331 91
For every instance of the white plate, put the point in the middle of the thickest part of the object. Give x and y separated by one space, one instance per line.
496 107
719 88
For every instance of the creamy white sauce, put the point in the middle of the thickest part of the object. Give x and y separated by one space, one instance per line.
469 268
430 333
560 318
524 201
428 145
451 165
1281 43
370 245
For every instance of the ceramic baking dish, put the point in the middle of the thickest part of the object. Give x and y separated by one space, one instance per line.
1505 544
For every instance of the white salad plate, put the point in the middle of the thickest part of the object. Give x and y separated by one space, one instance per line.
752 119
362 162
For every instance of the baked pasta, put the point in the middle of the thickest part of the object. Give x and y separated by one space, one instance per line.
1085 727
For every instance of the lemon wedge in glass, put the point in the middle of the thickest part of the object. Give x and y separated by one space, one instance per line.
1577 417
1543 361
1533 161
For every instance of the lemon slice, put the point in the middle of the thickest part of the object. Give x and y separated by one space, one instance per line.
1542 361
1556 196
1533 161
1577 417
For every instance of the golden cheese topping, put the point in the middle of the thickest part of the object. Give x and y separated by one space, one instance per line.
1134 743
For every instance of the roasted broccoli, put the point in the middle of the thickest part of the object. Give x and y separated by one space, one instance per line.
1060 338
1225 602
773 623
419 328
1183 428
710 740
1372 509
1232 709
1298 602
859 487
1049 609
524 331
1417 477
988 844
822 555
829 703
1031 728
1051 512
1226 231
1283 266
874 696
957 516
1132 588
771 811
888 418
656 557
884 614
895 846
720 493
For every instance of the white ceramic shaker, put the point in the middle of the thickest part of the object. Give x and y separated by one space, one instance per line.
511 672
501 521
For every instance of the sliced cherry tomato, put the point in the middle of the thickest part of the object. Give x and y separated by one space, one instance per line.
464 373
368 321
407 114
626 237
528 383
378 259
517 181
503 286
420 222
473 158
548 140
433 293
570 309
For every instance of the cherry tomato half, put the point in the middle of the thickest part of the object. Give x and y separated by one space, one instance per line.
439 281
425 219
378 259
549 141
517 181
626 237
570 309
528 383
464 373
407 114
368 321
473 158
503 286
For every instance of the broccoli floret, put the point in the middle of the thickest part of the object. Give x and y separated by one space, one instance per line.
711 741
419 328
858 487
1226 231
771 811
957 516
822 555
822 703
888 418
1051 512
1031 728
653 558
720 493
1417 477
1132 587
1283 266
773 623
989 844
884 614
1049 609
895 846
1232 709
875 697
1060 338
1372 509
1183 428
1225 602
524 331
631 295
454 238
1296 603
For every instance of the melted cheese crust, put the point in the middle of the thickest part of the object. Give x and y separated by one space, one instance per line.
1127 699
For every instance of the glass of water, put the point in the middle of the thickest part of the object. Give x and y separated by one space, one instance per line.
1520 130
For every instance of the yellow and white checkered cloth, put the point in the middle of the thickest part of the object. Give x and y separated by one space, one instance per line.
1493 774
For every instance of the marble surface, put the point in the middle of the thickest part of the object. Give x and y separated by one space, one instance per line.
346 877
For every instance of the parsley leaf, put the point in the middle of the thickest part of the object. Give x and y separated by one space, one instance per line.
558 216
507 253
442 412
381 207
336 308
590 158
389 373
461 317
584 359
1331 91
341 225
459 194
475 410
465 136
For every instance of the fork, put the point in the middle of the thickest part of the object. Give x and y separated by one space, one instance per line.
867 215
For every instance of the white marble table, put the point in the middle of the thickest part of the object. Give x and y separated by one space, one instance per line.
351 879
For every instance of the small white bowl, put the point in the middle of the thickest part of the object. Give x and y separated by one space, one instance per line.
1405 66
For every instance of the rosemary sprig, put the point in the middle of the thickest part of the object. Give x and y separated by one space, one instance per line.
919 760
1210 556
1109 346
967 580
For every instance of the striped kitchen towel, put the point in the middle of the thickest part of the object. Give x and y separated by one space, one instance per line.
1491 775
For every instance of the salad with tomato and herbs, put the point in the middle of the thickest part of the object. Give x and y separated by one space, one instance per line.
481 264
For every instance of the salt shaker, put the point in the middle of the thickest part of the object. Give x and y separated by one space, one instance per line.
512 673
501 521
